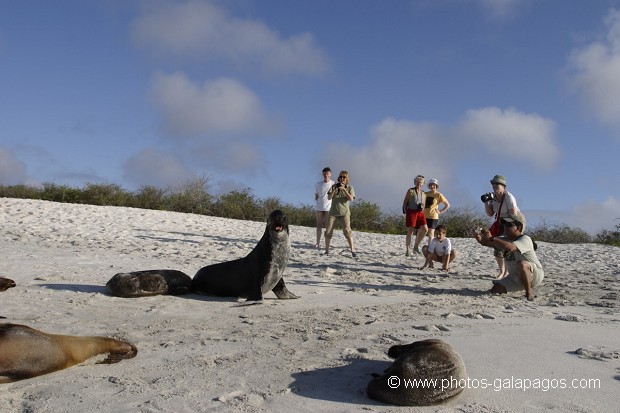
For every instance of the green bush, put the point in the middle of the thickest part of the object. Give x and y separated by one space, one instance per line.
461 220
238 205
365 216
192 198
106 194
149 197
610 237
558 233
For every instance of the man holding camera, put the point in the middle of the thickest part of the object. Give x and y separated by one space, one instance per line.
501 204
524 271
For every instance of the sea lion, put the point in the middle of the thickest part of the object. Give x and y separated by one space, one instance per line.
434 364
6 283
255 274
149 282
26 352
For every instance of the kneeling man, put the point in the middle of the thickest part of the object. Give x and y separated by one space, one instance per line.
524 269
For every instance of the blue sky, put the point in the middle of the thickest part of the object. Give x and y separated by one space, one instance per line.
264 94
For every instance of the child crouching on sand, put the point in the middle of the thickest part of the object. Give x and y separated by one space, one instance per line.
440 250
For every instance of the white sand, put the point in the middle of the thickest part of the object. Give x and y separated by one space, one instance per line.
198 354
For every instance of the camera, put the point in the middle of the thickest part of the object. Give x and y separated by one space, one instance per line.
420 207
478 230
338 185
489 196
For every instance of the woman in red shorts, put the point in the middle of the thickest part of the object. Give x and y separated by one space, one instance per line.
413 208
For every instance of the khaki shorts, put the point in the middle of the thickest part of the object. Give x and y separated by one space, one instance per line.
345 221
512 282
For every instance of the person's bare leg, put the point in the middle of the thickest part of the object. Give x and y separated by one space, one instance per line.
430 234
408 240
350 241
502 268
453 255
321 222
419 237
525 274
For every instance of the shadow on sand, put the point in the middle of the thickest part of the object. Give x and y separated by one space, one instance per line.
343 384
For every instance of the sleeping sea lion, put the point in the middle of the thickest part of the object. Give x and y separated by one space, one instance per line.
149 282
6 283
26 352
434 363
255 274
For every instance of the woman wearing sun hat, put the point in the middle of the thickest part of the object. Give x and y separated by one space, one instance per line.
503 205
434 199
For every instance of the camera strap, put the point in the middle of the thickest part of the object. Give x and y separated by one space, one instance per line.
499 212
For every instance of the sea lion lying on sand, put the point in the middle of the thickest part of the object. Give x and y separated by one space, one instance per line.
26 352
432 360
6 283
255 274
150 282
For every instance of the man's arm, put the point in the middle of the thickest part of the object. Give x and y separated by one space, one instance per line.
485 239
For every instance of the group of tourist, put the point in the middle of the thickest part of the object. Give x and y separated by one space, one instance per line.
519 267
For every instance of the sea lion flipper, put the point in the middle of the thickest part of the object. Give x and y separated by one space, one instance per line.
116 356
282 292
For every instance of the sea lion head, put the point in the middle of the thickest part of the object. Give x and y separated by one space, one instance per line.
6 283
277 222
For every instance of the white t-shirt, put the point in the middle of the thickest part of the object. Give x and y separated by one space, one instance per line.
509 203
321 188
441 248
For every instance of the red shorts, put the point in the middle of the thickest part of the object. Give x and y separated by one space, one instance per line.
415 218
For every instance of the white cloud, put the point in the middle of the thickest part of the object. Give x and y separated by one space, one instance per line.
12 170
596 73
201 29
398 151
230 157
217 106
150 167
593 216
528 137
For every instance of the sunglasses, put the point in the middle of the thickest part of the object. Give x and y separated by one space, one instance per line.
342 177
509 224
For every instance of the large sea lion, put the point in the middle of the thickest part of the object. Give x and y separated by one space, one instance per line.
26 352
6 283
255 274
149 282
433 365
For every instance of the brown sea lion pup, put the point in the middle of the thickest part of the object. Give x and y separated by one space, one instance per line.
6 283
255 274
432 364
149 282
26 352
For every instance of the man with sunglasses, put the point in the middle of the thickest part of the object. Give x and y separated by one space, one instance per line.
524 269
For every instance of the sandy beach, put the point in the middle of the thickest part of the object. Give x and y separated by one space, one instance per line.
198 353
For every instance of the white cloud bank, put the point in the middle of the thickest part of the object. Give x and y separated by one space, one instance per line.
529 137
203 30
217 106
595 73
399 149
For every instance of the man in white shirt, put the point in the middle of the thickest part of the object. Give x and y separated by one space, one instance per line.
323 204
